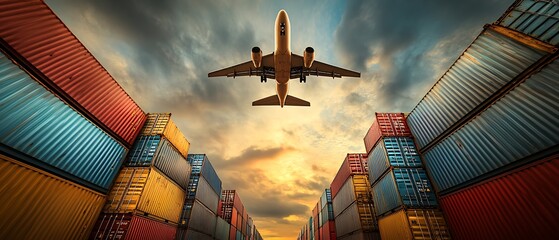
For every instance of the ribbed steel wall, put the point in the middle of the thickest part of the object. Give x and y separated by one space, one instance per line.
516 205
539 19
392 151
36 34
408 187
522 123
201 165
148 150
202 219
162 124
488 64
34 121
413 224
143 228
222 229
39 205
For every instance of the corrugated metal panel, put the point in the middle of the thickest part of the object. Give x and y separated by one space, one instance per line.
354 163
388 125
162 124
144 228
37 123
520 124
408 187
202 219
222 229
34 31
327 214
348 221
355 188
361 235
414 224
129 226
490 62
190 234
160 152
202 165
39 205
516 205
539 19
200 190
328 231
325 198
146 190
392 151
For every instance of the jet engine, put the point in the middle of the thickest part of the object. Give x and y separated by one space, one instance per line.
256 56
308 57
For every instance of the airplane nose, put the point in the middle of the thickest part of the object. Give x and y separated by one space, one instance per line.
282 13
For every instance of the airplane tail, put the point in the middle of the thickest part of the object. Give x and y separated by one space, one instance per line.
274 101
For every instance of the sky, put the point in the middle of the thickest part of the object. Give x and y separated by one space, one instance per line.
278 159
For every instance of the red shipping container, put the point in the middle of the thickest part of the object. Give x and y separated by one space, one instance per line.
517 205
354 163
232 233
35 36
386 125
130 227
328 231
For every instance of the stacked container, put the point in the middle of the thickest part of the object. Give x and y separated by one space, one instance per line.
493 113
326 225
66 127
150 189
199 212
235 213
351 200
405 202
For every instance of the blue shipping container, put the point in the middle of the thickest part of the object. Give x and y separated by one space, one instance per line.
407 187
537 18
201 165
158 151
325 198
57 139
522 123
489 63
392 151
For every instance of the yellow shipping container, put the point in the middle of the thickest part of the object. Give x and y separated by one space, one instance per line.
38 205
416 224
162 124
146 190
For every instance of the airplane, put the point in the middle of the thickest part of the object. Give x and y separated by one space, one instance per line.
283 65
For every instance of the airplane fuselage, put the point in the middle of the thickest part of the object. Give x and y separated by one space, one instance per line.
282 55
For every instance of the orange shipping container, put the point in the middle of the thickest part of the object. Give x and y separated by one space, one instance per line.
413 224
162 124
146 190
39 205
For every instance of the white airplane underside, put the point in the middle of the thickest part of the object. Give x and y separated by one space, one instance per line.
282 65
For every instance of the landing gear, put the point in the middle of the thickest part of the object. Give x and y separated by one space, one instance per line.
303 78
263 78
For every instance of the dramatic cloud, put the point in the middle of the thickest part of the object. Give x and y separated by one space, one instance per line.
279 160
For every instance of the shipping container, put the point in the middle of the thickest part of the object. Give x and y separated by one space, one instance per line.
325 198
200 218
159 152
521 204
536 18
34 35
201 165
189 234
232 232
522 123
488 64
162 124
392 152
386 125
357 217
328 231
128 226
326 214
356 188
51 135
361 235
414 224
146 190
231 207
354 163
199 188
39 205
221 229
407 187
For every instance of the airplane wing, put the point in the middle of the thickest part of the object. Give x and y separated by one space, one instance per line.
318 69
248 69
